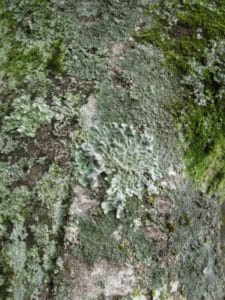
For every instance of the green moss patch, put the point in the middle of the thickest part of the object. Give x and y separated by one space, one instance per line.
55 63
191 36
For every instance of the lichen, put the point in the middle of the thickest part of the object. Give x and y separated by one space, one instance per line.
27 116
125 160
55 58
30 224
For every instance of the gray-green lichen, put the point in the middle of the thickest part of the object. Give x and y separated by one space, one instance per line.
27 116
123 159
30 248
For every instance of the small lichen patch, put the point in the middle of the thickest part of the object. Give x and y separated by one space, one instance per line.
28 115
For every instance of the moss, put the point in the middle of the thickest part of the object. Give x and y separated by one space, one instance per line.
177 50
7 20
45 56
184 31
171 227
56 62
33 43
200 15
19 62
204 155
151 35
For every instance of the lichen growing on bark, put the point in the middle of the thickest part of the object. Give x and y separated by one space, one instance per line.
69 65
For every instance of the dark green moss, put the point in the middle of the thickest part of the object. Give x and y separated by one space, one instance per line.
55 63
19 62
151 35
177 49
208 17
171 227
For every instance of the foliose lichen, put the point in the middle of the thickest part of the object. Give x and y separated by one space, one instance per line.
29 248
123 158
27 116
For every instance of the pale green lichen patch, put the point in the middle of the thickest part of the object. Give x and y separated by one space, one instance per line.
30 242
123 158
27 116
